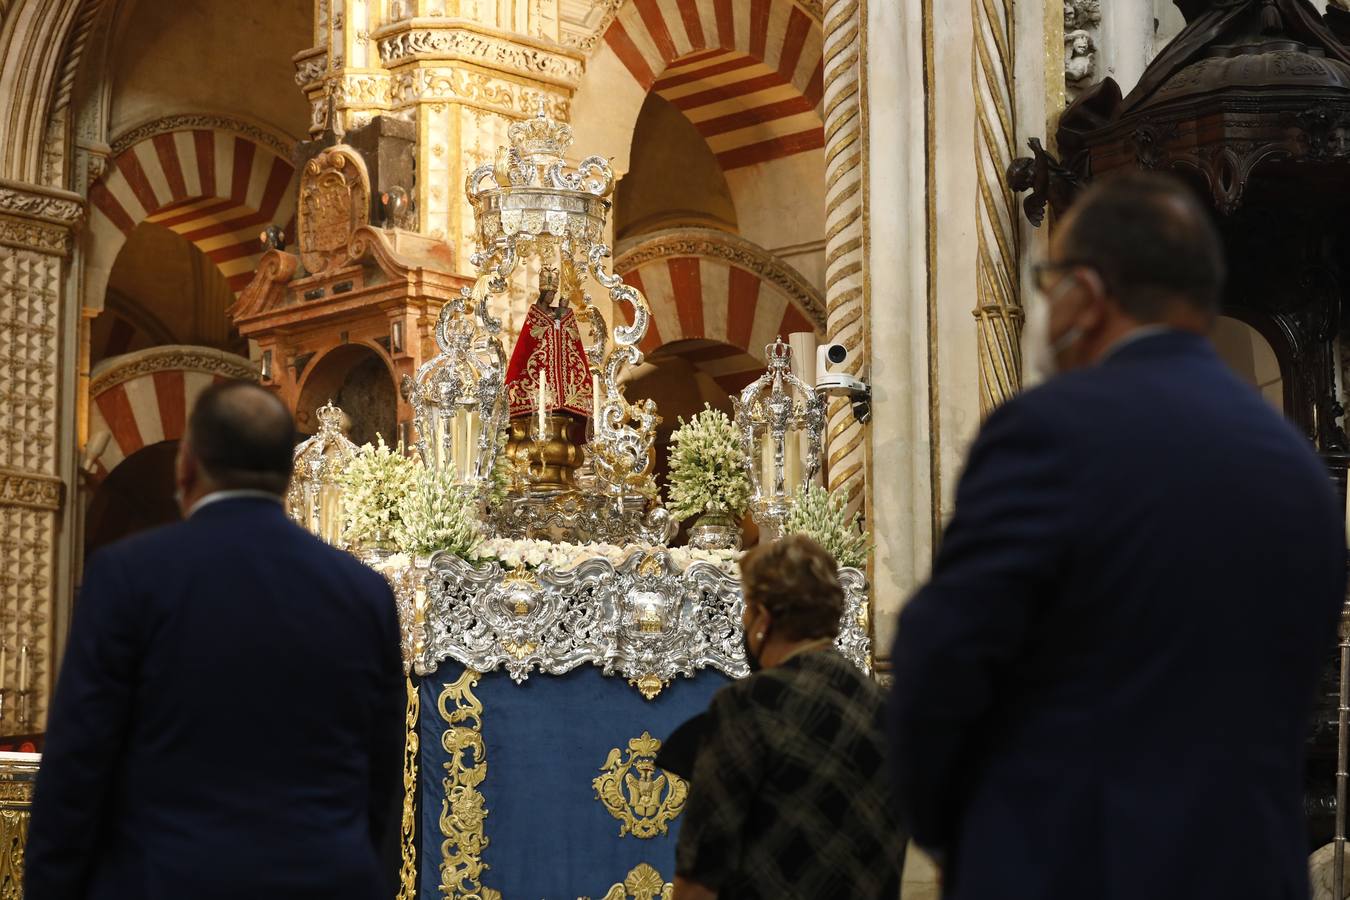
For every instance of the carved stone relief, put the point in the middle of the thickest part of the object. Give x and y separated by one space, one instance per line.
30 296
472 46
279 144
334 202
1082 30
22 201
476 88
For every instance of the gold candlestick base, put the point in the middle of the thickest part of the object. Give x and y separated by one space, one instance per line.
546 462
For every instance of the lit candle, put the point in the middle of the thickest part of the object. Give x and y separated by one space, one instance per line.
330 513
595 403
23 666
434 457
472 429
792 464
542 404
458 426
767 475
4 648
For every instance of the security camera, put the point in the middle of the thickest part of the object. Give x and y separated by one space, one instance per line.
836 384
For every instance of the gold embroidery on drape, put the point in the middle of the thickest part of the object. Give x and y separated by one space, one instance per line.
462 810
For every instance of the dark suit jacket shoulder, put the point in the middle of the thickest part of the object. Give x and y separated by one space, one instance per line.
232 689
1105 687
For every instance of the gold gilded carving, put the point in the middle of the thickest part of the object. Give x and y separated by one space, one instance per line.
13 838
334 202
643 883
407 873
642 797
648 685
554 64
475 88
29 490
462 810
16 795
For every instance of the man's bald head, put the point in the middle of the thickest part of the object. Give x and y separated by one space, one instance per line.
241 437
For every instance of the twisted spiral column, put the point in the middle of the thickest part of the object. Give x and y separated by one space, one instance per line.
998 312
845 145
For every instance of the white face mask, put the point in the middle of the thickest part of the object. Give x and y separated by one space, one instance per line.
1040 353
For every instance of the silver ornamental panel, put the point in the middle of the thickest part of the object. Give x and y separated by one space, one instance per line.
645 620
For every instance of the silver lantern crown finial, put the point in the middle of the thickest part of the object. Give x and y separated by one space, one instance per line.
314 498
456 395
781 420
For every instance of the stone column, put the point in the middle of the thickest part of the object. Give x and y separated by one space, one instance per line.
36 225
845 280
1125 43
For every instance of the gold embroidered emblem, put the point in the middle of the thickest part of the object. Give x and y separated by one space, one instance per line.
643 883
642 797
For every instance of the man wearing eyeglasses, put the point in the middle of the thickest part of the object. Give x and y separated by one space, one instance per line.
1104 690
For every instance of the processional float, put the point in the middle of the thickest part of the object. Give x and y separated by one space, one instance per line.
545 671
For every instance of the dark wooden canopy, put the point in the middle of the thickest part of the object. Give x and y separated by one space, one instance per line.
1251 105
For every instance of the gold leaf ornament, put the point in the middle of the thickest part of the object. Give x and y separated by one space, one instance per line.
644 798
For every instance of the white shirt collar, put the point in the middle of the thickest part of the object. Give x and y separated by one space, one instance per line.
217 496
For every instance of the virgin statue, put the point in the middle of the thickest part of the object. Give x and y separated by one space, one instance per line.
549 372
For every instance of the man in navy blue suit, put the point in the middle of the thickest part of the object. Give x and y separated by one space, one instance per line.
229 717
1105 688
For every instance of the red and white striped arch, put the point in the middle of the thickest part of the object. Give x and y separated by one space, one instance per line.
144 398
720 299
749 74
216 188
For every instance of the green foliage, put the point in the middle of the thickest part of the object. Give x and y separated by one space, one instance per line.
821 516
434 516
707 467
374 485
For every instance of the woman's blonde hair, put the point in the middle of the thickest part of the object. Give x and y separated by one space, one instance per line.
797 581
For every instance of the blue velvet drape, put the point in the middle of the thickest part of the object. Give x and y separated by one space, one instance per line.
549 837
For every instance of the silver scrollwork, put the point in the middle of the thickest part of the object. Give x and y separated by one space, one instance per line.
643 620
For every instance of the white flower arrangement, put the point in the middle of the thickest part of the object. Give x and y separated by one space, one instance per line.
707 467
821 516
374 484
434 516
537 554
501 478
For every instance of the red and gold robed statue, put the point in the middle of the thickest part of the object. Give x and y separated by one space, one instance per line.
549 360
549 391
